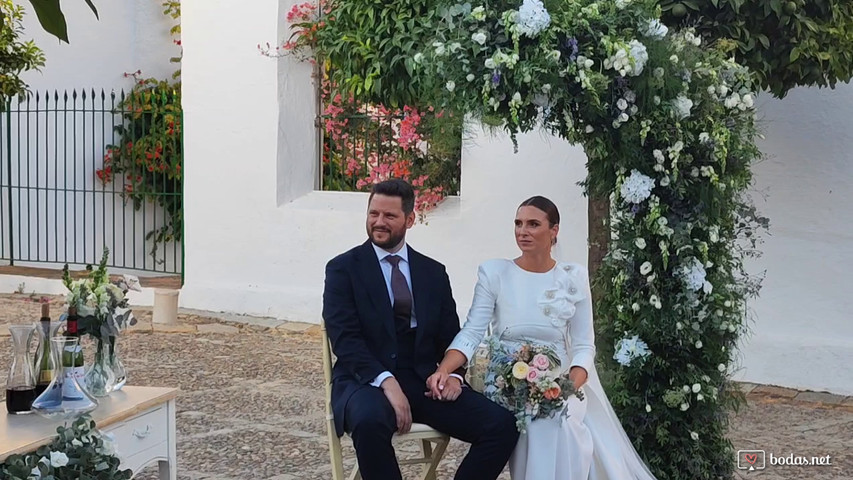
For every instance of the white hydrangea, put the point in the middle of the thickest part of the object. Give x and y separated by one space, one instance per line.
654 29
629 59
532 18
682 105
693 274
637 187
629 349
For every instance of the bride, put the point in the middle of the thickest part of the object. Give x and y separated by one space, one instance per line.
536 298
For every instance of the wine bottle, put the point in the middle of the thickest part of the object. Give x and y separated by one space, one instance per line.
45 368
72 359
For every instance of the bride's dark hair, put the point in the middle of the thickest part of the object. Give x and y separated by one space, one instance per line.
546 206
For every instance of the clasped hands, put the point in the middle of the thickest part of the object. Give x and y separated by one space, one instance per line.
440 386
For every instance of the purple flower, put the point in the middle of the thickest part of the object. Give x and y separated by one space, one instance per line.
572 44
635 208
496 78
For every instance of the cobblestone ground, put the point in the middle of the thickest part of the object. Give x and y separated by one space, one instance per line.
251 404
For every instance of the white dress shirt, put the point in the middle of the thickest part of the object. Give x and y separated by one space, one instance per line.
385 265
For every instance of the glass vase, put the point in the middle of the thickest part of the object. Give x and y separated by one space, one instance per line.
116 365
64 397
100 379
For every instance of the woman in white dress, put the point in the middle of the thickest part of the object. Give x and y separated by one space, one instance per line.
536 298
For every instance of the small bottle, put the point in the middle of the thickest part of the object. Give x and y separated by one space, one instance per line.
72 358
44 367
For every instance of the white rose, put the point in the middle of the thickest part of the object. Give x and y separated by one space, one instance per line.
635 307
700 397
679 325
470 77
645 268
490 63
747 100
698 343
621 104
450 85
640 243
684 407
673 59
694 435
696 388
479 37
648 408
721 367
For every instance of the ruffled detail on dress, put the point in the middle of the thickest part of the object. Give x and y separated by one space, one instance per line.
558 302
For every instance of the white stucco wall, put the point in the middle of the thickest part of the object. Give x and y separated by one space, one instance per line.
802 331
130 36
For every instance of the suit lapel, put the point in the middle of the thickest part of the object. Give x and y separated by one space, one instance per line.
371 274
420 291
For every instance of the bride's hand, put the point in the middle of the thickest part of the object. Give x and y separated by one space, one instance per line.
578 376
436 383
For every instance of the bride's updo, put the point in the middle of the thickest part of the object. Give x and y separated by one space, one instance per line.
546 206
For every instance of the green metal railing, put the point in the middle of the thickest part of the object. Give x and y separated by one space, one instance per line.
83 171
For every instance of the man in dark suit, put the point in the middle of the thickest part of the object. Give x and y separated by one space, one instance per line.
390 316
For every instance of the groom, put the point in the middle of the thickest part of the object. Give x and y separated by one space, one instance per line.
390 316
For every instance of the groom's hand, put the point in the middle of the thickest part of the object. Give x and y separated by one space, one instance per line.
399 403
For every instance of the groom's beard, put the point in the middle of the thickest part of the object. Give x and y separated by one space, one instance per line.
394 238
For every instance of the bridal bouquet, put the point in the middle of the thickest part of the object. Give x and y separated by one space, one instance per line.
525 379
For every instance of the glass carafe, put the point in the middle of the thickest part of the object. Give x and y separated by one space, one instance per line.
21 382
63 398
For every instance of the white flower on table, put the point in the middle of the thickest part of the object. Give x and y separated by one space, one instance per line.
637 187
58 459
532 18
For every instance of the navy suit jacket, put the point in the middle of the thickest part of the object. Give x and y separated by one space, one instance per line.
360 320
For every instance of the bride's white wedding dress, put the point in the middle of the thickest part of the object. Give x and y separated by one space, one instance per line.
554 307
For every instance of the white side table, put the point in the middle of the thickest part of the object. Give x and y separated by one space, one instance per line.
142 419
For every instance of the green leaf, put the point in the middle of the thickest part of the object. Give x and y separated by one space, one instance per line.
92 6
795 54
51 18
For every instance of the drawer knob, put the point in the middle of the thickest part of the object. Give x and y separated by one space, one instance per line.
142 433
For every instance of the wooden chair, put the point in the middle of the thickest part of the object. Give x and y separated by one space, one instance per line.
433 442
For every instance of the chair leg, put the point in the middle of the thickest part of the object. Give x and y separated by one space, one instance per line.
355 475
434 457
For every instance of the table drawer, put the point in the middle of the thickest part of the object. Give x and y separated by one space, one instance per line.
141 432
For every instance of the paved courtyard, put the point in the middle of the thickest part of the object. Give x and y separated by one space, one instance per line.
251 402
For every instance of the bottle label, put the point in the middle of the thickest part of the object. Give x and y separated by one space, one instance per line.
68 390
45 376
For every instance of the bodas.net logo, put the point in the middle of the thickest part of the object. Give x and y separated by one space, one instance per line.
751 460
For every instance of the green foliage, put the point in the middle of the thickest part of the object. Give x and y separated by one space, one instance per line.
16 56
52 19
79 452
786 43
149 153
369 43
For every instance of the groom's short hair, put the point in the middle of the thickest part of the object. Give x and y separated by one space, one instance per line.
396 188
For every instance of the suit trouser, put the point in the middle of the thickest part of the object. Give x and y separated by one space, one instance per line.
472 418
